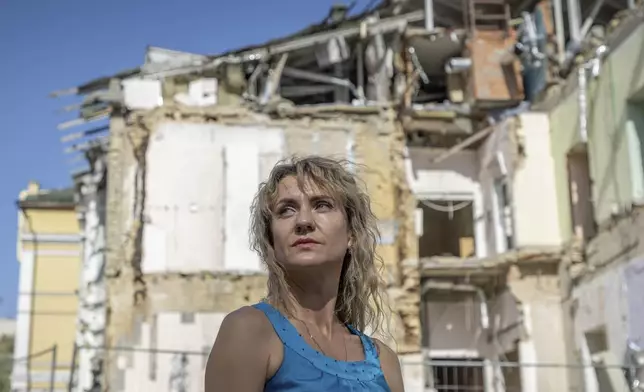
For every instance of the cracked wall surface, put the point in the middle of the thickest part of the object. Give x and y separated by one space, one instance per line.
372 139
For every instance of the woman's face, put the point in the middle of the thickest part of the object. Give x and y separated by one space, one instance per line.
309 227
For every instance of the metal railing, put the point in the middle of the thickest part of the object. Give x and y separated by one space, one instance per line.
177 370
491 376
149 369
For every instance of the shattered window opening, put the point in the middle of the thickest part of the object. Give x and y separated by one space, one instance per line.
447 230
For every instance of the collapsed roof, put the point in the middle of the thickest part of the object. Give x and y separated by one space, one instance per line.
469 57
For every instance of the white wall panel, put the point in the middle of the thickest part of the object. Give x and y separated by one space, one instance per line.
173 334
201 179
242 177
23 319
184 199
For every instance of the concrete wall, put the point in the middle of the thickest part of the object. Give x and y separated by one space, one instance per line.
176 171
186 339
536 287
536 218
201 179
612 123
607 316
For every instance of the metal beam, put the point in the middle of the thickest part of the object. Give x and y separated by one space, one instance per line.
574 17
464 144
80 135
274 79
429 15
80 121
559 27
316 77
588 23
303 91
387 25
360 70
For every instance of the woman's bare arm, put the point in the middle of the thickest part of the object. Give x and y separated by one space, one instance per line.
239 358
390 367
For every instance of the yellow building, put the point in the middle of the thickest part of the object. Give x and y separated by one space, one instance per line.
49 252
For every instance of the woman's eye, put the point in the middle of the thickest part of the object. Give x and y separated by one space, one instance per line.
285 211
325 205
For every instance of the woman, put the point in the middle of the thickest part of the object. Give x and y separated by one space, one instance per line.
314 229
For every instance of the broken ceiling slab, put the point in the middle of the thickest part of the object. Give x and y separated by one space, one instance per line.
96 84
455 266
330 109
439 121
104 114
160 59
158 55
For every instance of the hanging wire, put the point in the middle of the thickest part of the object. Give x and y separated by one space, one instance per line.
450 208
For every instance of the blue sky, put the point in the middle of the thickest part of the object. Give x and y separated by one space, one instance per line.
48 45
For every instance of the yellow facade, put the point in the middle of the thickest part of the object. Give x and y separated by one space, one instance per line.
49 240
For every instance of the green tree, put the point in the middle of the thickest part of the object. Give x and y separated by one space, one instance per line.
6 354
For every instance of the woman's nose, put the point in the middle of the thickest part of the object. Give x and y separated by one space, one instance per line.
304 223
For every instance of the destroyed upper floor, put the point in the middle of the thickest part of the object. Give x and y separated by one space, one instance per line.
449 65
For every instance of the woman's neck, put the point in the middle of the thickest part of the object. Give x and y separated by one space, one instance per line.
313 301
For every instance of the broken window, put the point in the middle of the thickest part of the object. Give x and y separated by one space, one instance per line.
581 204
447 228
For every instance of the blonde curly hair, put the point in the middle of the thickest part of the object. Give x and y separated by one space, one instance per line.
360 300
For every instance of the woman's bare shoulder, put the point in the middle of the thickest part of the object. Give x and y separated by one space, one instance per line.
240 356
246 322
390 366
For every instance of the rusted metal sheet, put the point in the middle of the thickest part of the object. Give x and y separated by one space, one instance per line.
545 6
495 76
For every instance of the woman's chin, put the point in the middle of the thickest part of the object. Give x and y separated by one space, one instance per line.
307 261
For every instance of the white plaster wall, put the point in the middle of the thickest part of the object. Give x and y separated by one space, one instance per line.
603 302
535 198
172 334
412 368
201 179
612 301
455 176
23 322
548 342
497 158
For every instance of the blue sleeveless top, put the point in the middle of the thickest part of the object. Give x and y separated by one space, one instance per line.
305 369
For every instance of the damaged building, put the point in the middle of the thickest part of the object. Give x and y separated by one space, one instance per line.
456 112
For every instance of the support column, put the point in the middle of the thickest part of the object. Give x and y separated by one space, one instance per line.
92 291
574 23
559 30
429 15
379 64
